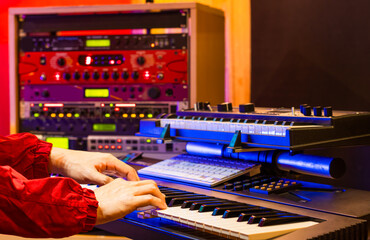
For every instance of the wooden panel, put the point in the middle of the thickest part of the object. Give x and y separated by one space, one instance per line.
237 47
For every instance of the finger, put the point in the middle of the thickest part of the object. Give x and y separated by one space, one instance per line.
149 189
146 200
100 179
122 169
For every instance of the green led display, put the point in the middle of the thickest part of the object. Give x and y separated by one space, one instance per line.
96 92
97 43
60 142
104 127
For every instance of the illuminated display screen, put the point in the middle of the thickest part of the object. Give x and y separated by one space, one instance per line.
60 142
101 60
97 43
104 127
96 92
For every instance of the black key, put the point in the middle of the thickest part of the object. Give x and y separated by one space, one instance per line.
174 194
169 197
236 212
229 186
257 217
238 188
165 192
197 205
282 220
209 207
179 201
237 183
188 203
221 210
243 217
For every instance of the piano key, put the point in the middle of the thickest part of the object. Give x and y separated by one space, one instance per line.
168 198
197 205
243 217
229 186
209 207
188 203
180 200
221 210
257 217
171 191
238 188
281 220
236 212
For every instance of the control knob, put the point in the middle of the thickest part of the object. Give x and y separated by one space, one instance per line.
95 75
169 92
317 111
61 62
246 108
76 75
43 77
115 75
45 93
125 75
328 111
135 75
154 92
140 60
105 75
225 107
86 75
160 76
67 76
306 110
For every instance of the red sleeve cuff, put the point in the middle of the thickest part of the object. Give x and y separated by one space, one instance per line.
42 153
92 209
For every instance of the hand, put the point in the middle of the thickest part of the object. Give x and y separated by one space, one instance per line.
121 197
89 167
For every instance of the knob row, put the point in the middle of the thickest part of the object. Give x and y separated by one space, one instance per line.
104 75
318 111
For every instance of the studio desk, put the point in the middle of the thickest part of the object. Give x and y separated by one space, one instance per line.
270 203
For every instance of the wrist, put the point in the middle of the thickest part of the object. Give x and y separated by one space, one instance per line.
56 161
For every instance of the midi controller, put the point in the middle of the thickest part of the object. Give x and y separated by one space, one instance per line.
298 128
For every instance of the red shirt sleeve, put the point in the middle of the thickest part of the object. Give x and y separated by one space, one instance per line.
26 154
33 204
48 207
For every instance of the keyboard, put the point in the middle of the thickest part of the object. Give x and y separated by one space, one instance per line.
205 171
230 219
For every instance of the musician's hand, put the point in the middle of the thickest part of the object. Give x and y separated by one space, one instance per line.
121 197
89 167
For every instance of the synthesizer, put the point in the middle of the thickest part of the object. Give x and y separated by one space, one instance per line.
271 128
